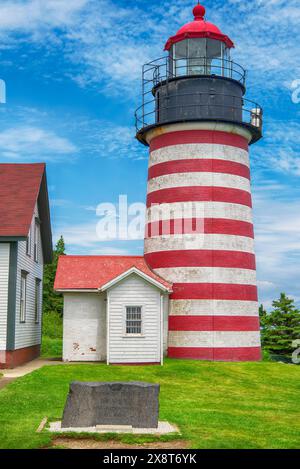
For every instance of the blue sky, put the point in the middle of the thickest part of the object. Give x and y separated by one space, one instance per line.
72 71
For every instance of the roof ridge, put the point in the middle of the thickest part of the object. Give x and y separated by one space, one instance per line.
23 164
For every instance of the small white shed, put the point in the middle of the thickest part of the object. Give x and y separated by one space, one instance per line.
115 309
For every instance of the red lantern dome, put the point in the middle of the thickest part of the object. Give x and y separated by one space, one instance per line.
199 28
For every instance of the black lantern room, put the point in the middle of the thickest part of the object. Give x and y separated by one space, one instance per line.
196 81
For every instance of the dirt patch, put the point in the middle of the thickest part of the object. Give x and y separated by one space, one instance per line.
89 443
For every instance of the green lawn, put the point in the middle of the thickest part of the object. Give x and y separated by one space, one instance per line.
216 405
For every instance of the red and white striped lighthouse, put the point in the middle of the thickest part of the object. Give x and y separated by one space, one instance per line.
199 232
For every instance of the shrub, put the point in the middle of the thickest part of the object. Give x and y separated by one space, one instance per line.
52 325
51 348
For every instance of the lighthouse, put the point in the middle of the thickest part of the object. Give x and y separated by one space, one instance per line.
199 230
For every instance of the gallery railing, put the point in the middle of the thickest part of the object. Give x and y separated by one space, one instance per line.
198 106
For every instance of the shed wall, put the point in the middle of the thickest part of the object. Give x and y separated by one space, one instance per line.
134 291
84 327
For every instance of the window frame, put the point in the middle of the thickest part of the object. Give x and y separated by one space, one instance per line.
28 243
37 301
36 240
134 334
23 296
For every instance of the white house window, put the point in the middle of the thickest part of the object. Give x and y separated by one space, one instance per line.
28 243
36 240
133 319
23 297
37 306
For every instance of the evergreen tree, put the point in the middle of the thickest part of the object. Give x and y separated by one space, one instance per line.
52 301
263 323
281 326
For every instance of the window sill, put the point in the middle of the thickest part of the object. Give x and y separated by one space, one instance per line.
133 336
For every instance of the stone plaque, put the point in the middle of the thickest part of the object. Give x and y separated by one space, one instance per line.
112 403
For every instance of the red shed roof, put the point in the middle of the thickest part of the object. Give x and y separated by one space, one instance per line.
197 29
21 187
93 272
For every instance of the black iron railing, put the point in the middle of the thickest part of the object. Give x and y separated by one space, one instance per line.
242 110
166 68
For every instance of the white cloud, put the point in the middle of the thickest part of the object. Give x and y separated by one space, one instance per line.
111 251
112 43
266 38
265 285
81 235
81 238
31 134
280 149
31 143
34 15
106 42
277 240
59 202
107 139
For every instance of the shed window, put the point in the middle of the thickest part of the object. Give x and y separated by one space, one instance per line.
133 319
23 297
37 306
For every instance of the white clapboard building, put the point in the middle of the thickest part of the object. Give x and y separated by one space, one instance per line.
25 246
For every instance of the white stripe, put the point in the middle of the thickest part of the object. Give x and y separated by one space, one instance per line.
210 209
214 339
208 275
191 151
192 179
199 241
213 307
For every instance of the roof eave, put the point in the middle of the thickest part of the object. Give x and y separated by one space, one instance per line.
137 271
76 290
201 34
12 238
44 213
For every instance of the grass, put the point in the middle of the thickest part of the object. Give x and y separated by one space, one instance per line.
51 348
216 405
52 335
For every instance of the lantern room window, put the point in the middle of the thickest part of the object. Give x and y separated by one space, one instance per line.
199 56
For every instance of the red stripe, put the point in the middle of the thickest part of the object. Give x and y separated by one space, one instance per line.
198 136
201 258
200 225
213 291
199 193
217 353
199 165
213 323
